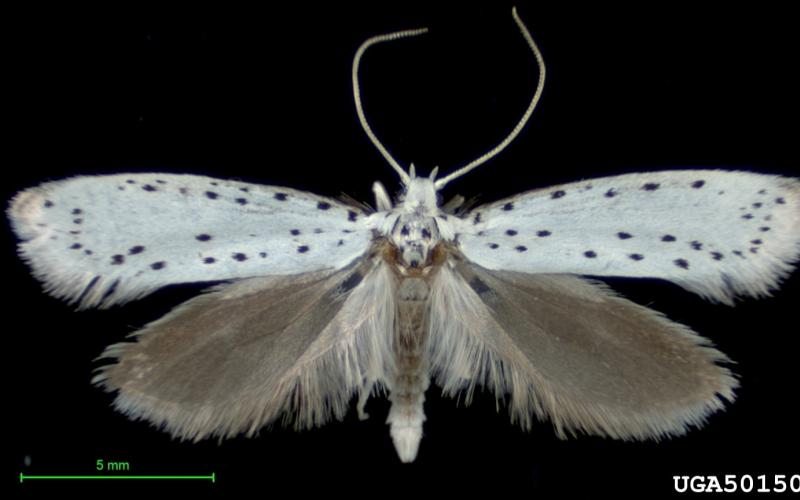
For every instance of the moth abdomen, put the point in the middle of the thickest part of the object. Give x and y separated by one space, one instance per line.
410 378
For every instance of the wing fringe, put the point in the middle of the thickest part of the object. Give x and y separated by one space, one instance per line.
475 351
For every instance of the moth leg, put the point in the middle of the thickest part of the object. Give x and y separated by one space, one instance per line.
363 395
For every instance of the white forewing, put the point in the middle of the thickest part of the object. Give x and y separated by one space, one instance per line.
716 233
247 353
109 239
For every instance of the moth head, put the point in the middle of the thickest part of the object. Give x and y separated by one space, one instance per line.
420 194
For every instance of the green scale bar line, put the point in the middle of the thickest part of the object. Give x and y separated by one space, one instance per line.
212 477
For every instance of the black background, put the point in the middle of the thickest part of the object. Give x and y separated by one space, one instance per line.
264 96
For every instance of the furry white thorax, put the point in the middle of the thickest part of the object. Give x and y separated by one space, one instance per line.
416 224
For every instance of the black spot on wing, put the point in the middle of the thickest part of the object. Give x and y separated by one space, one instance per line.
351 215
520 248
281 196
651 186
209 260
156 266
479 286
508 207
682 263
135 250
351 282
557 194
698 185
117 259
241 201
716 255
624 236
203 237
295 232
77 211
590 254
610 193
696 245
149 188
511 232
211 195
303 249
668 238
88 288
240 257
636 256
111 290
323 205
543 233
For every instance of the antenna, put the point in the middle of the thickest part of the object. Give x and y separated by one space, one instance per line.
357 93
439 184
520 125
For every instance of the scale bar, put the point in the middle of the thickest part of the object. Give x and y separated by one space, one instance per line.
212 477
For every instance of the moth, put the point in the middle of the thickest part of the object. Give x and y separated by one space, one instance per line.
327 300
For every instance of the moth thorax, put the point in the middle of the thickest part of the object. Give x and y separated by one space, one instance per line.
414 236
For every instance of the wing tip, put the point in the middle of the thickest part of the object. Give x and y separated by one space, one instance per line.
24 211
762 270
